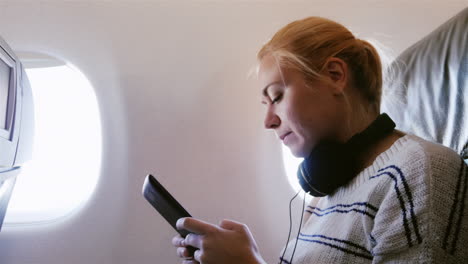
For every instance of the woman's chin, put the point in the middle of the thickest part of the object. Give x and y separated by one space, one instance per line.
301 151
298 153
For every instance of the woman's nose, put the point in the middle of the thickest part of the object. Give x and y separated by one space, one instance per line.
271 120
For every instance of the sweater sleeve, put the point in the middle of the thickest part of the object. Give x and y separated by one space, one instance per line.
421 217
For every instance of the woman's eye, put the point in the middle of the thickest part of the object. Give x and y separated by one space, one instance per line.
277 98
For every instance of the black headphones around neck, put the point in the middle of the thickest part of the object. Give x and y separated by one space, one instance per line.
331 165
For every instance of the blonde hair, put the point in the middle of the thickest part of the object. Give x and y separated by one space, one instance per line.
307 44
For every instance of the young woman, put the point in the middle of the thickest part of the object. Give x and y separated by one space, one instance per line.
400 200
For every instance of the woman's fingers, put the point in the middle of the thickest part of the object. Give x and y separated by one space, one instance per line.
231 225
195 225
190 262
193 240
177 241
197 255
183 252
230 241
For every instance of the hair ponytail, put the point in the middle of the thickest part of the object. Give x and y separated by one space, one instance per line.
369 79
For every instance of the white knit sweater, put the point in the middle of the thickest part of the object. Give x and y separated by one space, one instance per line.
407 207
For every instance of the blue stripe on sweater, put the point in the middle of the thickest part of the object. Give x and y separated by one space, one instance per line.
284 261
410 198
461 175
339 248
402 204
368 205
342 212
339 240
454 208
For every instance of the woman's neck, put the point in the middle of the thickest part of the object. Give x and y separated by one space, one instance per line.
369 156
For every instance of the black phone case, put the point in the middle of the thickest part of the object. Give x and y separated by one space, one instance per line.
164 203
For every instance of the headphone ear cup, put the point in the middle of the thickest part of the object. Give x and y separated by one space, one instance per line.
332 164
329 166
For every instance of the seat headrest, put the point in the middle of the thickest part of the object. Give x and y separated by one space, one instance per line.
430 95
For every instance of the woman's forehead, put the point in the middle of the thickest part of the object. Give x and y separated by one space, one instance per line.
269 70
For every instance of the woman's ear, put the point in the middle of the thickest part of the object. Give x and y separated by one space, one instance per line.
337 71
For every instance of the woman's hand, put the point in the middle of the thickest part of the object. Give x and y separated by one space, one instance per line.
230 242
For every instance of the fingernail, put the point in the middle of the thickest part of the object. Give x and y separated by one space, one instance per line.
180 223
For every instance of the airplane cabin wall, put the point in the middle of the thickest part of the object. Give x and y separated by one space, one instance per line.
172 82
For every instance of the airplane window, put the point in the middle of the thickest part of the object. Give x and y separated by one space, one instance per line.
65 167
291 163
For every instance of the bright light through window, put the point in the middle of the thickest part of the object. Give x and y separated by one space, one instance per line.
65 167
291 163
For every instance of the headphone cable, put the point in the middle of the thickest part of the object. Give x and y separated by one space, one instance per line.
290 226
299 231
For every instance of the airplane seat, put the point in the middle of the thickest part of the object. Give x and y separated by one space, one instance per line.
429 93
16 122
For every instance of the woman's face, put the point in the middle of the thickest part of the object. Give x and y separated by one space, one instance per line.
300 115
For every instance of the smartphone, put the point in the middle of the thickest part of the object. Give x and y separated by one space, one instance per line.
164 203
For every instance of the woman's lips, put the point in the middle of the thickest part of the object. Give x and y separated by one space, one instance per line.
284 136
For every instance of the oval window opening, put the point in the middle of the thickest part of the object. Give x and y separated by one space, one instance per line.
65 166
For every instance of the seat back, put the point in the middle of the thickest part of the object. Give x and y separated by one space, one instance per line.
429 97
